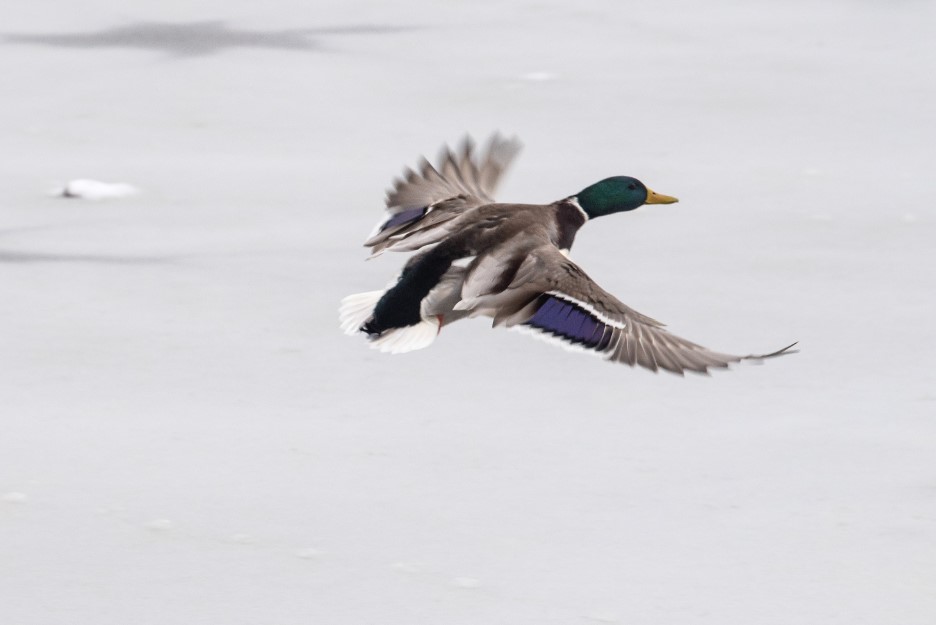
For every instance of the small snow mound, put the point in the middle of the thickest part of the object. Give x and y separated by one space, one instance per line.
96 190
14 497
407 567
538 76
603 617
158 525
112 509
240 539
308 553
466 582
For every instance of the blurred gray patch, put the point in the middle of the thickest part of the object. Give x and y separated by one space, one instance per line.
195 38
41 257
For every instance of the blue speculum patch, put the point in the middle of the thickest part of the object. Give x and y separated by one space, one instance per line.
571 322
403 217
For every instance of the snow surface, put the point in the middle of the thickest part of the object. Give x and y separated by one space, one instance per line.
188 438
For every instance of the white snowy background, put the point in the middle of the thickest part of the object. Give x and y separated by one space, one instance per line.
186 437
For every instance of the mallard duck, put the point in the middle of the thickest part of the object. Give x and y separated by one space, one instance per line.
510 262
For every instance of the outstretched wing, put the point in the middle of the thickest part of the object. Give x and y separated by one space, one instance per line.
420 203
552 298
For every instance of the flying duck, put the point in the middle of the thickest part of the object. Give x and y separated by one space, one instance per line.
510 262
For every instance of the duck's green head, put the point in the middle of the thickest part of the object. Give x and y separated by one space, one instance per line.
618 194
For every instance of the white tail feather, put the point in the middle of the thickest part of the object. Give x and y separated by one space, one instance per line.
402 340
356 309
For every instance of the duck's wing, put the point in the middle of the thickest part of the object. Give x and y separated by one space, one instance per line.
550 297
422 201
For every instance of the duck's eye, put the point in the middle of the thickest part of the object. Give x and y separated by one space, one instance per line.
632 187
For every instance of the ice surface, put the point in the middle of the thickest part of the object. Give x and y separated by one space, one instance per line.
177 356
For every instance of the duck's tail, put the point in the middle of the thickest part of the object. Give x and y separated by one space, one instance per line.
358 309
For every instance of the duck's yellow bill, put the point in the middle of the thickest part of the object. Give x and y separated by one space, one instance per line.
658 198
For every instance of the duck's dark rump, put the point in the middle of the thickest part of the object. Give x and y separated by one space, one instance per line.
400 305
